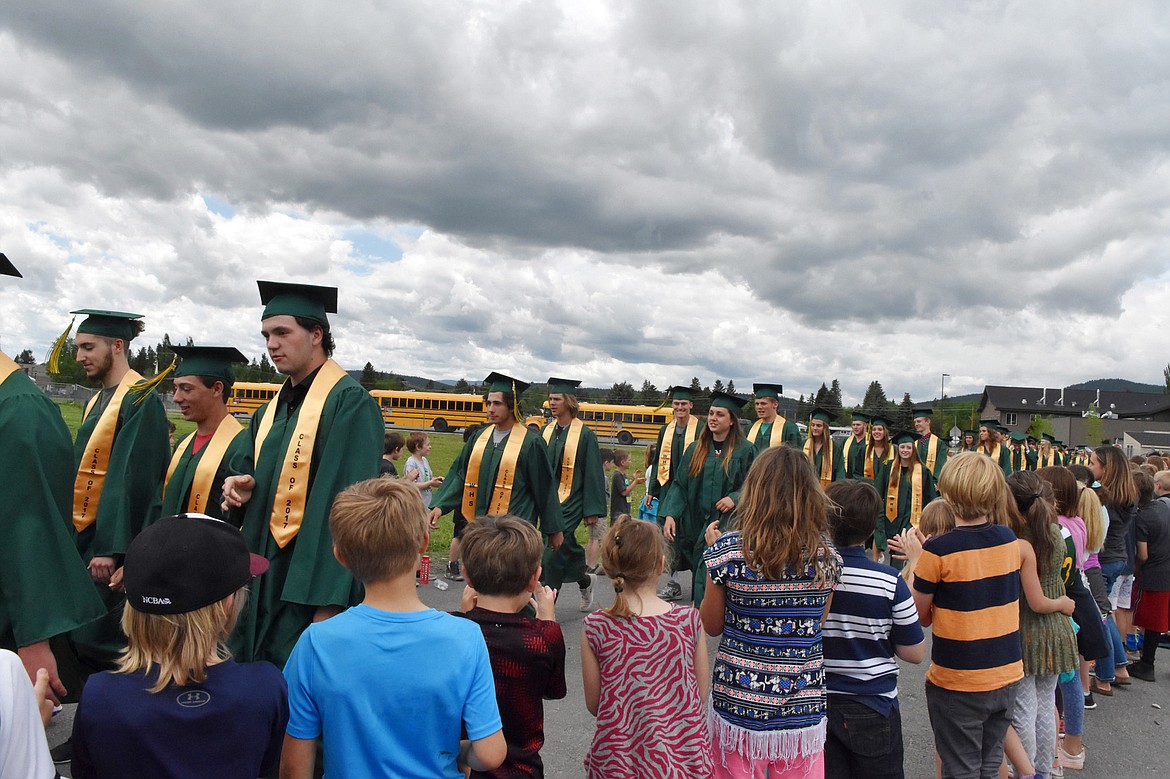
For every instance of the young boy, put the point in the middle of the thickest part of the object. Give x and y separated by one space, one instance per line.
501 561
621 485
392 444
872 619
388 684
417 470
967 584
598 528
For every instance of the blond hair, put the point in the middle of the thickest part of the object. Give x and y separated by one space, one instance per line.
783 516
181 645
415 441
631 552
1089 509
938 517
378 527
973 485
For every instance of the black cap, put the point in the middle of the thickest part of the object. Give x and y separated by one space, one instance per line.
182 563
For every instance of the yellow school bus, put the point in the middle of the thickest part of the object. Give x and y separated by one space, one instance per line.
247 396
609 420
440 411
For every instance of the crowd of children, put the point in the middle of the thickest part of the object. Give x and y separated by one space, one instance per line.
804 682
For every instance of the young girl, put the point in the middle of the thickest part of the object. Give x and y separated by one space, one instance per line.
1046 634
178 705
648 509
644 665
1119 497
906 487
879 455
769 586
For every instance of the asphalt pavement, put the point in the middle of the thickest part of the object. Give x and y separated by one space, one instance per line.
1124 736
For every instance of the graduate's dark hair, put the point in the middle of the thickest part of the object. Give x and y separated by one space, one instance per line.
327 342
209 382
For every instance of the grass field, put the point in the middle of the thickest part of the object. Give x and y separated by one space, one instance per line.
445 448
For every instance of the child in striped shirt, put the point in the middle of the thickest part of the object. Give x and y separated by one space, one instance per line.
871 621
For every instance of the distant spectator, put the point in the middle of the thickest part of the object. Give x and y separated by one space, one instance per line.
391 450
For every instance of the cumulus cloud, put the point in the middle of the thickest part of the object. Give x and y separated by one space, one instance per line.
616 191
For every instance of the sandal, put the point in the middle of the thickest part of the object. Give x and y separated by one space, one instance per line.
1097 686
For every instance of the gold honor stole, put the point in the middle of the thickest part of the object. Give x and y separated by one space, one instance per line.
288 505
91 475
869 458
1052 459
993 454
931 452
915 493
826 475
213 452
668 442
505 476
775 436
847 448
7 367
568 457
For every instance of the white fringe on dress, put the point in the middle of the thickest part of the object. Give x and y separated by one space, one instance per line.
786 745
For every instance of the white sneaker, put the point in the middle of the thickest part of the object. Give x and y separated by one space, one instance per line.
672 590
587 596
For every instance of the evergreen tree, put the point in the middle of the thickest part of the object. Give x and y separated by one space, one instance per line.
905 416
731 386
649 394
822 394
833 400
462 386
369 376
620 392
718 386
26 358
696 387
875 401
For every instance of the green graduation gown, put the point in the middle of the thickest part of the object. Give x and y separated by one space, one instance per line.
940 459
237 459
790 436
818 461
304 574
855 467
534 494
692 502
677 449
45 590
138 463
885 528
586 499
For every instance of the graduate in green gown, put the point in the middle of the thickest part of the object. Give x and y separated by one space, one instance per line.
320 417
120 456
1048 456
45 589
880 452
932 450
707 486
579 483
219 447
855 447
1021 458
906 487
771 429
673 440
990 443
503 468
970 441
822 454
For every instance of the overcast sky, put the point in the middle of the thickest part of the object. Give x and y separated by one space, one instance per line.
606 191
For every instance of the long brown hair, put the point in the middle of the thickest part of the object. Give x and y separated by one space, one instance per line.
703 445
1064 487
1034 516
782 516
1117 487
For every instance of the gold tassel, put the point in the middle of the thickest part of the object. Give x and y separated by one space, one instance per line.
662 405
54 358
516 404
141 389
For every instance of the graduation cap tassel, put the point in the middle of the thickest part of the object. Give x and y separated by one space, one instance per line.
54 356
141 389
516 403
662 405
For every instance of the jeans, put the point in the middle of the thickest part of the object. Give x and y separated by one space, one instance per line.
861 742
1106 664
969 729
1073 703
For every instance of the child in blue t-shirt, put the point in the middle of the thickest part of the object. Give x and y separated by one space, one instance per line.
366 681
